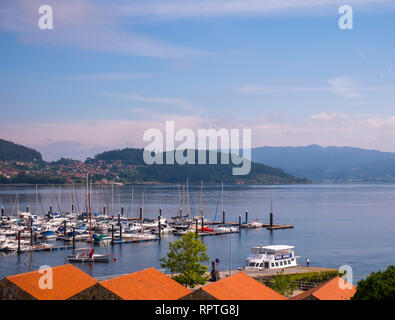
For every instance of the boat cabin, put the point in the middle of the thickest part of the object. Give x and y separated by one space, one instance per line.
271 257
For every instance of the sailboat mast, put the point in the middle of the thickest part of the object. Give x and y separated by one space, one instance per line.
142 211
188 200
201 192
182 210
222 196
112 198
89 210
36 201
132 202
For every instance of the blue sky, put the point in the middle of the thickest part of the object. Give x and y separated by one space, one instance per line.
108 72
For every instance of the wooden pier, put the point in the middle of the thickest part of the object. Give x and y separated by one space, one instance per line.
278 226
42 248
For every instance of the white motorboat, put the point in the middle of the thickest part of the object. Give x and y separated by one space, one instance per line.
271 257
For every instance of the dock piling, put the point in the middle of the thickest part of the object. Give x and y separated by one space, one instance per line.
19 242
246 216
73 237
223 217
240 223
159 226
31 232
271 214
112 234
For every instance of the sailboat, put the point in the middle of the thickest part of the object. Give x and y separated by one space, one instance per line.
88 254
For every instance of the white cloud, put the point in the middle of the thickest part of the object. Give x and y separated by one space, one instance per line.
341 86
174 102
344 87
85 24
106 76
211 8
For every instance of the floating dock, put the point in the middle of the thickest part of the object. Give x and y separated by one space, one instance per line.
203 234
278 226
120 241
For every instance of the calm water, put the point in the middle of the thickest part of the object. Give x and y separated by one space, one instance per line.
334 224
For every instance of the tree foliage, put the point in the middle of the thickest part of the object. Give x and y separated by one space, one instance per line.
378 286
184 259
13 151
283 284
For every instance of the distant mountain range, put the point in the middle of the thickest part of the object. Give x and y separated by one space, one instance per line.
14 152
127 166
270 165
331 163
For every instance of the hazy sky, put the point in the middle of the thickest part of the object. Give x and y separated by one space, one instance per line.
112 69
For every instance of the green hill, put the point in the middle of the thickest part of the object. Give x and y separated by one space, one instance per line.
127 155
210 173
14 152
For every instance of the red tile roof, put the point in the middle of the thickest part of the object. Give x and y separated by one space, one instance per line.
67 281
241 287
148 284
329 290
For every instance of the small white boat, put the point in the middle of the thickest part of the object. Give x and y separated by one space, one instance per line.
143 236
87 255
254 224
165 229
271 257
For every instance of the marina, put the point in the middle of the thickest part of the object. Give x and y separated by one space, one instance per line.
317 234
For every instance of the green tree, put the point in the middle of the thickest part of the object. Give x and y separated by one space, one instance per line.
378 286
283 284
184 259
